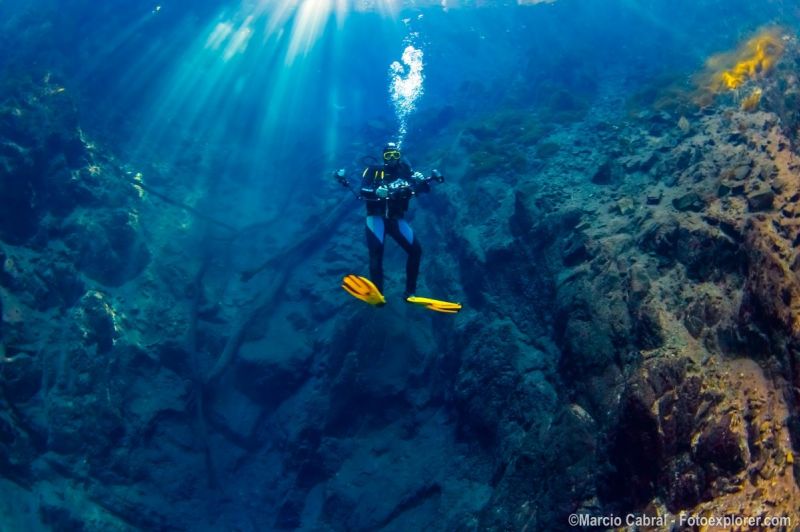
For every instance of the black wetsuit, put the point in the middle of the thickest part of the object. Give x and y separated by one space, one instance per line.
385 217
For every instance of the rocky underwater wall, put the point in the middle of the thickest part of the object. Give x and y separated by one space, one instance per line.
629 341
672 283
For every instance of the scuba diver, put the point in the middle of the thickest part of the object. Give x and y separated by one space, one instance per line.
386 190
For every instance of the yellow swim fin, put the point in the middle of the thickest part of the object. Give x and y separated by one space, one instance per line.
434 304
363 289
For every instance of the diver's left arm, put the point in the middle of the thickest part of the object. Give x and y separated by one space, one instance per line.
420 183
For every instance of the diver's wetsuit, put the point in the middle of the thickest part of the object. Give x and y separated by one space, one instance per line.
385 216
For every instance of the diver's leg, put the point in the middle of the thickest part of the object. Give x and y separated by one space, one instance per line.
375 233
402 233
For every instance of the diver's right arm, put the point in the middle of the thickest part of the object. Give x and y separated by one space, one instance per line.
340 176
369 191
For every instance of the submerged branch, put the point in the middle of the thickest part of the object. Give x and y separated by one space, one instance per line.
165 198
193 345
285 263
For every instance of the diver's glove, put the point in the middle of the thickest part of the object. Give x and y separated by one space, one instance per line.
382 192
340 177
437 176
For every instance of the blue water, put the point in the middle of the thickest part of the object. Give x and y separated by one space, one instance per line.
233 116
150 74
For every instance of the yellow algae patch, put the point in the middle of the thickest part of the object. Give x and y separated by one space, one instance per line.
752 60
750 103
756 57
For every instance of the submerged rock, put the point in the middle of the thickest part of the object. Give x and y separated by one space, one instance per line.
730 187
606 174
706 251
760 200
654 197
640 163
740 173
97 321
691 201
22 376
625 206
40 147
723 444
654 431
686 484
703 313
267 377
108 247
649 327
576 251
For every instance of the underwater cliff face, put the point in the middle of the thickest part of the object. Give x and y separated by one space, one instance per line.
618 219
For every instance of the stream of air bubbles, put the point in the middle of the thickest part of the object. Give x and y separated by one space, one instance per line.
406 86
